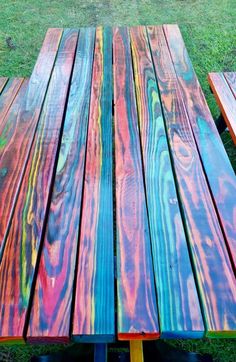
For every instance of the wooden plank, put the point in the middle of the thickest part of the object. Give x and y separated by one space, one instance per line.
18 129
3 82
8 95
19 260
50 321
213 272
100 352
217 167
225 100
94 312
179 311
137 308
231 79
136 351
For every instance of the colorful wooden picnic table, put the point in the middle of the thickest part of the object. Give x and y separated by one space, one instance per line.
118 206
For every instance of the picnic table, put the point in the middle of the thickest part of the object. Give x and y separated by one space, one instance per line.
118 207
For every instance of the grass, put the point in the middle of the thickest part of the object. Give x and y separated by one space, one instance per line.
208 28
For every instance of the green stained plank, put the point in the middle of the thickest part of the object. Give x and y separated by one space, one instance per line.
19 260
213 272
50 322
179 310
217 167
94 311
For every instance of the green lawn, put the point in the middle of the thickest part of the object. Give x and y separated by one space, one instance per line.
208 28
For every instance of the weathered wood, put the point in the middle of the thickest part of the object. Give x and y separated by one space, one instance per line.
137 308
18 129
51 308
136 351
94 312
225 100
8 95
213 272
3 82
217 166
231 79
19 260
179 311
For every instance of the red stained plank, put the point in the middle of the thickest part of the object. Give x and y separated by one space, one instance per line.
51 308
137 308
8 95
19 260
225 100
213 272
3 82
94 312
18 128
217 166
231 79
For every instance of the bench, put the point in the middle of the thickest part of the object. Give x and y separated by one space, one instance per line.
117 208
223 85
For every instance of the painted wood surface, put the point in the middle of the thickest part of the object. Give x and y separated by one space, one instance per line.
94 312
225 100
137 307
54 285
213 272
8 95
3 82
179 311
19 260
18 129
136 351
100 352
231 79
217 166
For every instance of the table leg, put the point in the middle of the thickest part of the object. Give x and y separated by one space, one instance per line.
100 352
136 351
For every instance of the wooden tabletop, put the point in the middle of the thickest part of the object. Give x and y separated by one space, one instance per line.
118 208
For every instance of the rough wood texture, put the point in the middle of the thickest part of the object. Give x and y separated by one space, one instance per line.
217 166
18 129
94 316
225 100
3 82
231 79
179 311
8 95
137 308
54 286
19 260
213 272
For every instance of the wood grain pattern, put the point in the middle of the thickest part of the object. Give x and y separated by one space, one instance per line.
8 95
225 100
137 308
213 272
18 129
179 311
217 166
51 308
23 241
3 82
94 312
231 79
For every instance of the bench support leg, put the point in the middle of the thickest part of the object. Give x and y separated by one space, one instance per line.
136 351
100 352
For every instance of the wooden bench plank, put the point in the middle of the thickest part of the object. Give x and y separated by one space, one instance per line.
225 100
217 167
3 82
17 131
231 79
94 313
54 286
179 311
213 272
8 95
137 308
19 260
